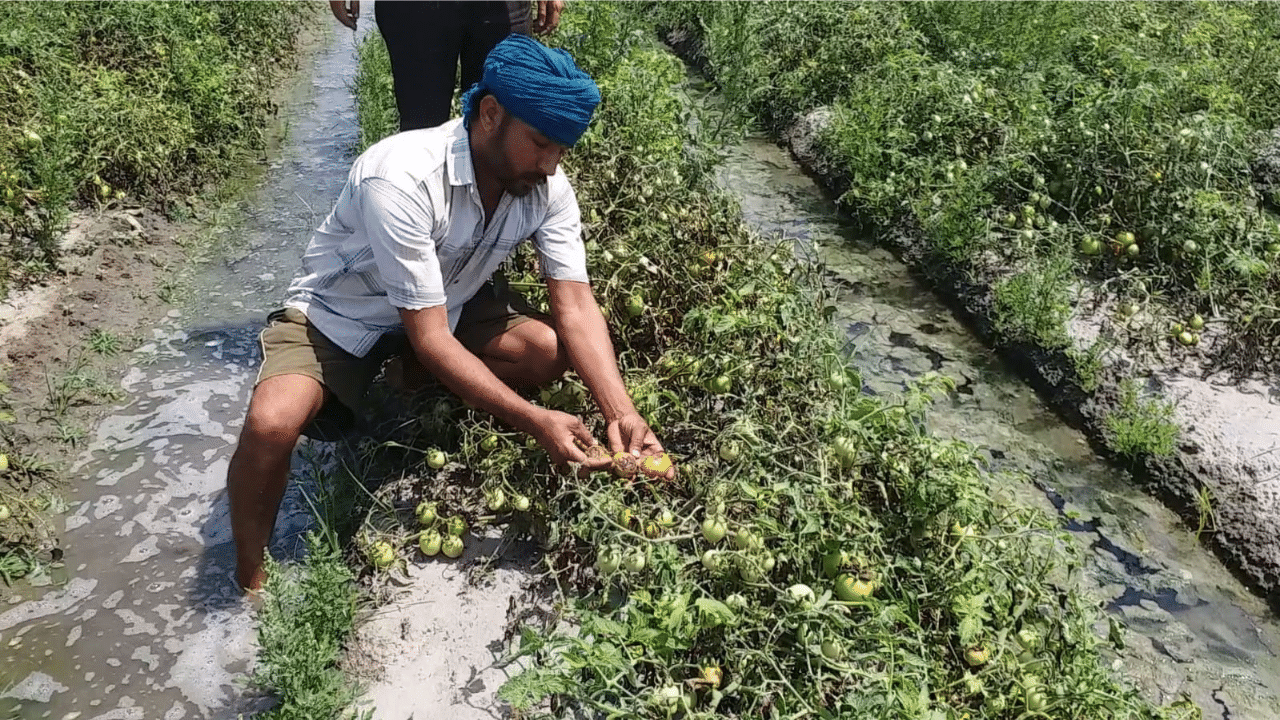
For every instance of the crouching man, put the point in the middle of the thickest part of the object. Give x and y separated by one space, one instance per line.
407 255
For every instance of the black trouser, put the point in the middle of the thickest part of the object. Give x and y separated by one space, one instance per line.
426 40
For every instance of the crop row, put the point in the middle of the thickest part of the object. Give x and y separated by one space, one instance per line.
103 101
1111 144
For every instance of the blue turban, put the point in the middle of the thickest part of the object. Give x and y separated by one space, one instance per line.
539 85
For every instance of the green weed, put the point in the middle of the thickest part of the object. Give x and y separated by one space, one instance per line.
1140 425
104 342
1034 305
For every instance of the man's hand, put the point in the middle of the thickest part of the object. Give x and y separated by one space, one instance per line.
548 16
348 11
630 433
557 432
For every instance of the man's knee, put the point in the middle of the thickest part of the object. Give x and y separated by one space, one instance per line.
545 354
280 409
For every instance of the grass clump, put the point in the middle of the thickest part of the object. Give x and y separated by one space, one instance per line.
1034 305
308 612
1140 425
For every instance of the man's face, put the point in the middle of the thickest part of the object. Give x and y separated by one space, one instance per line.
522 157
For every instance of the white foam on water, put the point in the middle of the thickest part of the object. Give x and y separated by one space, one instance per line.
106 505
144 550
201 670
52 603
36 687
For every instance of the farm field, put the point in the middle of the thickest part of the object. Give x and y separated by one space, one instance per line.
1091 186
820 554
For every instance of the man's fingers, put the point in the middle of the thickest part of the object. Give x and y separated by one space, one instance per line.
540 22
553 20
614 438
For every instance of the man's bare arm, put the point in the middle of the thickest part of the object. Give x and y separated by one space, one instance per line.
470 379
585 336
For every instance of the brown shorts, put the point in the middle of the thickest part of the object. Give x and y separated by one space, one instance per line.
292 346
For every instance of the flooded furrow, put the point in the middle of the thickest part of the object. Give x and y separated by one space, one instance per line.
1195 630
145 621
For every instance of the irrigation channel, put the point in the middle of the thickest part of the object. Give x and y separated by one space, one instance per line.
144 622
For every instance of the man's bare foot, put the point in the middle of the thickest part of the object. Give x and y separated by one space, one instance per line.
251 579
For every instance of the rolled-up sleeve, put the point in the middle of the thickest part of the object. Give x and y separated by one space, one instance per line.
558 240
398 228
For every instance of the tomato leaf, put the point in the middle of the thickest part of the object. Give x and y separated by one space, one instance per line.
712 613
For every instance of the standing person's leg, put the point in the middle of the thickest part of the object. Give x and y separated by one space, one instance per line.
490 22
424 40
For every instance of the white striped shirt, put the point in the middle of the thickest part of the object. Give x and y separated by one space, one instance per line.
408 232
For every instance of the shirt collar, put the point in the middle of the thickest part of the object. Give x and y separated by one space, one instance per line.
458 161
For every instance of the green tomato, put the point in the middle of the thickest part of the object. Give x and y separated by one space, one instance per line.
666 520
719 384
976 656
496 500
429 542
520 502
729 451
635 560
845 448
1027 639
744 539
489 443
426 512
1125 238
1133 250
713 561
635 305
5 512
1036 699
801 595
451 546
436 459
382 555
713 530
608 561
1197 322
456 526
832 650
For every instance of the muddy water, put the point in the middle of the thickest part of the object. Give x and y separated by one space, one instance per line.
144 621
1194 629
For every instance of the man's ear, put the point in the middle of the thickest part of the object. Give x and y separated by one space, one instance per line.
491 112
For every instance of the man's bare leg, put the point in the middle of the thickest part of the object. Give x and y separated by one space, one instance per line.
280 408
528 354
